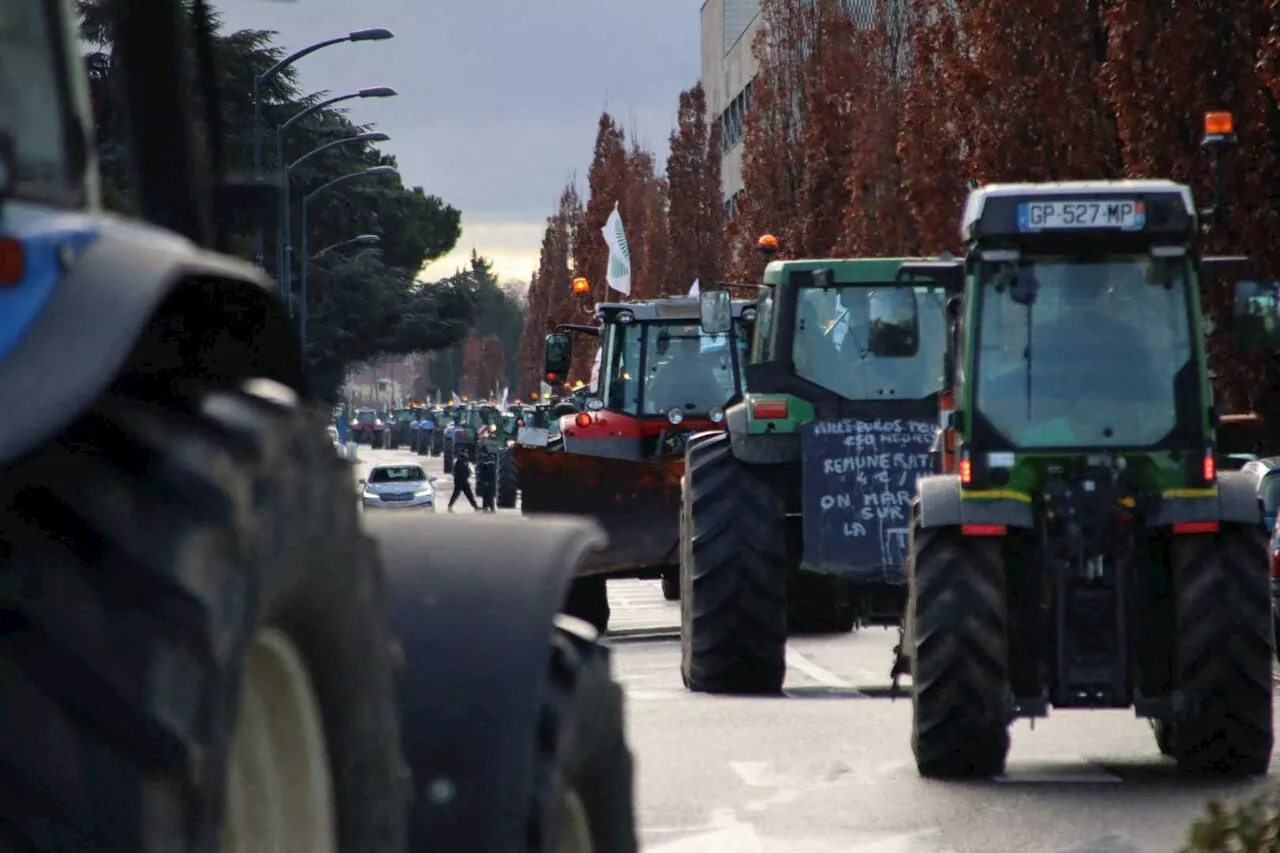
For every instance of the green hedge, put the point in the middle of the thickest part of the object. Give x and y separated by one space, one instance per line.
1251 827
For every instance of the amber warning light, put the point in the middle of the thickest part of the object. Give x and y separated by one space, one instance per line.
1219 124
581 286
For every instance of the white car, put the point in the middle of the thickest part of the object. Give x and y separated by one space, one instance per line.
398 487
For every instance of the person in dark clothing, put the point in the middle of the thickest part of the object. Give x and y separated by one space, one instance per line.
486 480
462 481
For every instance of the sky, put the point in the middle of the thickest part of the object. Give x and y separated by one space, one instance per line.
497 99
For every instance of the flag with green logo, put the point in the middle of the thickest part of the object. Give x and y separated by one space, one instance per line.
619 270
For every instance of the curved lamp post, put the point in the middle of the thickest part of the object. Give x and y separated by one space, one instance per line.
259 80
281 132
362 240
376 171
285 276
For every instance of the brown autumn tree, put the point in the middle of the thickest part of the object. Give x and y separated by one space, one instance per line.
644 217
550 298
695 216
471 381
1166 66
772 156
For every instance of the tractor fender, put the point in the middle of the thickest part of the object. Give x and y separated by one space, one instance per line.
941 504
471 603
773 449
95 316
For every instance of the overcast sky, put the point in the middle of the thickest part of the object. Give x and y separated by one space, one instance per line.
498 99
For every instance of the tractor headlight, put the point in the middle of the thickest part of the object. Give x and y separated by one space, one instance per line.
624 318
716 414
675 416
748 315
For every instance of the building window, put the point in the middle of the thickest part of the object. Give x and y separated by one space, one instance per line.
731 205
733 120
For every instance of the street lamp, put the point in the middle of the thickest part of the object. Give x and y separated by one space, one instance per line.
362 240
259 80
376 171
281 132
285 275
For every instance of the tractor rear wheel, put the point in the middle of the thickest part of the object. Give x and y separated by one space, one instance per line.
671 583
508 480
584 796
448 459
1224 652
959 654
733 584
193 617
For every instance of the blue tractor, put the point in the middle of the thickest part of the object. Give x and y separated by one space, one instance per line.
201 644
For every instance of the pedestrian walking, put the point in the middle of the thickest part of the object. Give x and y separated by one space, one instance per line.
428 432
486 481
462 481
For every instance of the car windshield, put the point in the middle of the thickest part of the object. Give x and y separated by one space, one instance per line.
1082 352
31 78
831 347
684 369
397 474
365 417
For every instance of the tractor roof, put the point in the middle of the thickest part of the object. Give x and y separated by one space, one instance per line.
657 310
993 210
843 270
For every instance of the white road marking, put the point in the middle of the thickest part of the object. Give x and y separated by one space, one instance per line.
735 839
823 676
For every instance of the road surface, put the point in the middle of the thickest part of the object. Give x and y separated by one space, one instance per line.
828 767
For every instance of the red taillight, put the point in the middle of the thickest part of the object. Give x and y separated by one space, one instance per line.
769 410
1183 528
983 529
553 377
583 420
966 471
13 261
1275 564
1210 468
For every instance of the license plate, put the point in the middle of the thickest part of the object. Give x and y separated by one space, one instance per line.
398 497
1070 215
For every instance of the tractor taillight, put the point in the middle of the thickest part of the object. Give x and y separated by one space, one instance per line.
1209 468
13 262
983 529
1187 528
966 472
770 410
1275 564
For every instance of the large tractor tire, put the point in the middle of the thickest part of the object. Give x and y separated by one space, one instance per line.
1224 648
437 442
957 631
588 600
448 458
671 583
733 584
192 628
508 480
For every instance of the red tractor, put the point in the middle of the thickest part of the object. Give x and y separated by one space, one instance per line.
621 459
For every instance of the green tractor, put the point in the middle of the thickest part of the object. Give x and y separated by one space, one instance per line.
464 434
795 518
1088 553
496 439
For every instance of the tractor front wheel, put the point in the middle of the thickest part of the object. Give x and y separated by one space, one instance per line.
1224 651
589 601
959 651
733 585
508 481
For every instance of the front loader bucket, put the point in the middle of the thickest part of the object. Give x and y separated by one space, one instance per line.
637 503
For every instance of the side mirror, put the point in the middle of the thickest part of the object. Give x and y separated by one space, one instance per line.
559 357
715 311
362 481
431 478
893 322
1256 318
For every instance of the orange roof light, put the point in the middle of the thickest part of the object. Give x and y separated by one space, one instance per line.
581 286
1219 124
768 243
583 420
13 261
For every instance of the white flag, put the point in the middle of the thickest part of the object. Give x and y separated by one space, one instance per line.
454 399
595 371
696 290
503 404
619 270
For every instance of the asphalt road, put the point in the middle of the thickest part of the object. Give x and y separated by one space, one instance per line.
828 767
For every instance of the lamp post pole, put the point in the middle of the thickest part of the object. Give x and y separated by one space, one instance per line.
306 204
260 80
282 215
286 274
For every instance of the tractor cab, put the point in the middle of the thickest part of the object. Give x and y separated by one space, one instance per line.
662 377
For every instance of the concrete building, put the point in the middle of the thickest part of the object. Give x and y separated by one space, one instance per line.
728 67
